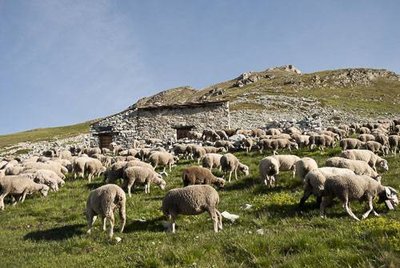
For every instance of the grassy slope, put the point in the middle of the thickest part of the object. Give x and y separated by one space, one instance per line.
51 232
42 134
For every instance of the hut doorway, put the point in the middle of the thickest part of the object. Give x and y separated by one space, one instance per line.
105 140
183 131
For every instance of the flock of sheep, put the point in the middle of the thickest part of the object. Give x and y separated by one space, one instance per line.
352 175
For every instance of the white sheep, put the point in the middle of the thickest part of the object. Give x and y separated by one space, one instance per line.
271 165
230 163
141 175
20 185
394 143
103 201
358 166
192 200
93 168
211 160
367 156
303 166
351 143
356 187
377 147
200 175
163 159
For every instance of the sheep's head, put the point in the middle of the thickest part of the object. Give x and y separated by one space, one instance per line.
220 183
389 196
384 164
295 145
245 169
45 190
162 184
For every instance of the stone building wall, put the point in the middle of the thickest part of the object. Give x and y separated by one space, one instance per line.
160 122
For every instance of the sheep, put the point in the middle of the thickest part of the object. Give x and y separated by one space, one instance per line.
230 163
115 171
247 143
301 140
179 149
359 167
212 149
315 179
382 139
273 131
198 152
257 132
45 174
303 166
330 134
228 145
293 130
144 153
231 132
92 151
200 175
78 166
105 160
211 160
322 141
138 163
211 135
356 187
364 130
65 154
222 134
192 200
366 137
351 143
194 135
163 159
51 165
128 152
93 168
394 143
271 165
103 201
276 144
367 156
376 147
19 185
141 175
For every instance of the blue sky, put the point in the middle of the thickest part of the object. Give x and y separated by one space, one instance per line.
68 61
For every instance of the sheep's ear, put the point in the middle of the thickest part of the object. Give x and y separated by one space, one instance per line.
392 189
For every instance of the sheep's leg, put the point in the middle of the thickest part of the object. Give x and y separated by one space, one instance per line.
104 219
348 210
294 172
111 220
90 178
371 208
148 187
2 196
23 196
230 175
236 174
215 219
129 190
122 216
303 200
172 218
170 167
323 205
91 220
219 219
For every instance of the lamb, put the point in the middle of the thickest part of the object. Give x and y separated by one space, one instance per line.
19 185
315 179
359 167
230 164
367 156
192 200
211 161
200 175
93 168
303 166
351 143
141 175
356 187
394 143
103 201
366 137
163 159
271 165
376 147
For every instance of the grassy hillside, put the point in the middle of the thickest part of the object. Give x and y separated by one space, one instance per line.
42 134
48 232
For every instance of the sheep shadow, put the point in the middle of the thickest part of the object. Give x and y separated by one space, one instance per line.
280 211
56 234
240 184
151 225
94 185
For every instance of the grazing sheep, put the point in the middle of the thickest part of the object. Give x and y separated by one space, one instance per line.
322 141
367 156
301 140
351 143
192 200
275 144
358 166
103 201
228 145
257 132
50 165
19 185
270 166
198 152
222 134
231 132
230 163
142 175
78 166
303 166
179 150
330 134
194 135
315 179
138 163
45 174
293 130
273 131
382 139
93 168
355 187
247 143
211 135
163 159
211 161
92 151
364 130
377 147
115 172
394 143
366 137
200 175
212 149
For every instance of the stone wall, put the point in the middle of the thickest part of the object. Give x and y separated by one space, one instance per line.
160 122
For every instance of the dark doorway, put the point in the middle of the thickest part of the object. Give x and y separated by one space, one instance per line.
183 132
105 140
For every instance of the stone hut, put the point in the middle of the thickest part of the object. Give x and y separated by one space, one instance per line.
164 122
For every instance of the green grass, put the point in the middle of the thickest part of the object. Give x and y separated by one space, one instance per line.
48 232
42 134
